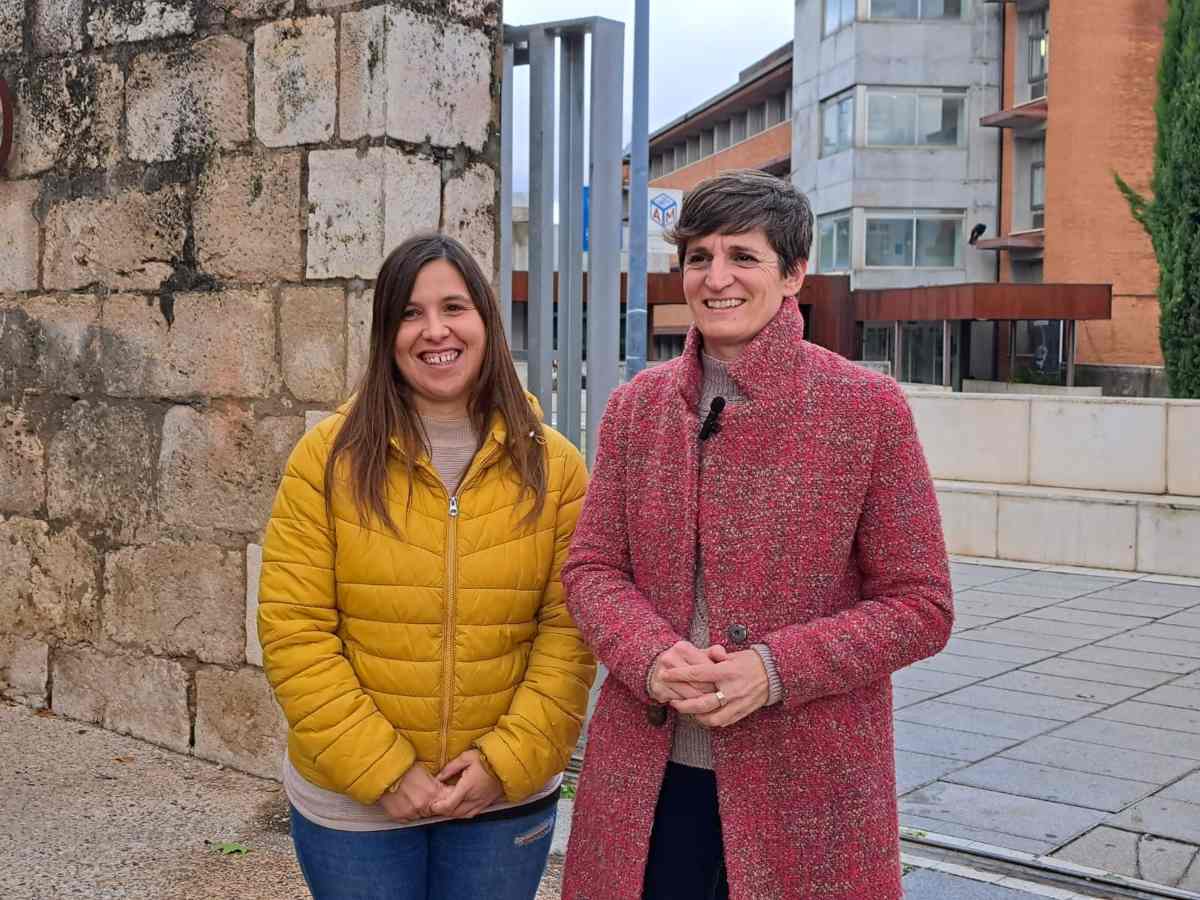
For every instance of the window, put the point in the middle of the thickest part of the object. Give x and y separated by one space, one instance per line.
755 118
774 110
837 124
787 103
722 140
916 9
923 240
833 243
737 128
693 148
707 140
656 166
838 14
1039 55
1037 185
925 117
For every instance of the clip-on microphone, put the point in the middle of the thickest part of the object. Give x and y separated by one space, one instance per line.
711 426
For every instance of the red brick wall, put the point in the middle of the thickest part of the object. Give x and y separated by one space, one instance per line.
766 146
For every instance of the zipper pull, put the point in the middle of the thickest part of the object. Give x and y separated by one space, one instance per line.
454 507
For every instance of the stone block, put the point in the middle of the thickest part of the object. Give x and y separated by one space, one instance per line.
312 326
24 670
1165 818
50 343
295 81
50 581
218 345
363 85
1048 782
469 214
12 22
1167 540
359 304
330 4
124 23
247 218
360 206
968 521
220 469
183 102
176 599
253 574
18 237
100 468
484 13
1068 532
1183 437
22 463
68 116
445 72
1062 432
57 26
974 438
141 696
238 722
125 242
255 9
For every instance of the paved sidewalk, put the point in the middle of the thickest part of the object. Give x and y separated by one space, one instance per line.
1063 719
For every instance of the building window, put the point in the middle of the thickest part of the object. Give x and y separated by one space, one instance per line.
1039 55
787 103
774 110
755 118
833 243
722 138
920 117
922 240
737 128
838 14
837 124
656 166
916 9
1037 185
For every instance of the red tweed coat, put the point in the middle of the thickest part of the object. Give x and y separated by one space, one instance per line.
820 535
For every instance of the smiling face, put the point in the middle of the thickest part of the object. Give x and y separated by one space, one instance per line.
734 288
441 341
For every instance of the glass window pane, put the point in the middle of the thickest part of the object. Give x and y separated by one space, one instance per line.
825 243
832 21
1037 194
829 129
889 242
937 242
941 9
891 118
842 256
894 9
939 120
846 123
848 11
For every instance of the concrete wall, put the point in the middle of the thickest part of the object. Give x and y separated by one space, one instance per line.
1107 483
888 53
200 194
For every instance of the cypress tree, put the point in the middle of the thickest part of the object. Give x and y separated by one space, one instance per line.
1172 215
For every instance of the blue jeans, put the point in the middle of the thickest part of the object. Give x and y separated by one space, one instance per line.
492 859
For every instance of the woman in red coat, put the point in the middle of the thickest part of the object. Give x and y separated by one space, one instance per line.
759 550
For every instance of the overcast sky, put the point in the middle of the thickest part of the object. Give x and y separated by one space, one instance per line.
697 48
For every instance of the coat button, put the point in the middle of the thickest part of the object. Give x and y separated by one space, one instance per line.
737 634
656 715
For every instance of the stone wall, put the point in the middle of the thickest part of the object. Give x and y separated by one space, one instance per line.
199 194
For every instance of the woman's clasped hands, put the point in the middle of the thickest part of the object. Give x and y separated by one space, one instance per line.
462 790
713 686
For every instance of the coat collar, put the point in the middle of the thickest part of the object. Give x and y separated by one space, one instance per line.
764 370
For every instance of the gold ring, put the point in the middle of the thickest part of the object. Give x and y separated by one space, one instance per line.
720 695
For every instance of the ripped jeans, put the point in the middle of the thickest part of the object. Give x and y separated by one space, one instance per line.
489 858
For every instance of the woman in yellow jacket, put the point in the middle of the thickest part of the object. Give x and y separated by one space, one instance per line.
411 615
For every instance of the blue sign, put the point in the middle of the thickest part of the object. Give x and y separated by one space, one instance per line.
664 210
587 190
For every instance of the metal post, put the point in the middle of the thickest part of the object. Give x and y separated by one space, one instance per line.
506 192
541 217
570 237
639 176
947 344
1069 334
604 254
897 333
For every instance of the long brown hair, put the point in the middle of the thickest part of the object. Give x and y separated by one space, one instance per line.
382 408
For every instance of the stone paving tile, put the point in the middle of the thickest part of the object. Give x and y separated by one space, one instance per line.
976 721
1135 659
1132 640
1120 607
1001 606
965 665
932 740
1064 629
1157 815
1022 703
1054 584
1188 681
1132 737
1145 856
1186 789
1173 695
1100 672
914 770
902 697
1102 759
926 680
983 835
967 622
1060 613
1026 779
1056 686
1149 592
1040 820
970 575
927 884
1189 618
1003 652
1000 635
1168 718
1170 632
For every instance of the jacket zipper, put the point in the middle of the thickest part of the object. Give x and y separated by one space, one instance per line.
448 629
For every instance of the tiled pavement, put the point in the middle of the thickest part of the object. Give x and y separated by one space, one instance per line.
1062 719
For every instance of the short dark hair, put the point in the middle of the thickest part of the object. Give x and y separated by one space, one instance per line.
742 200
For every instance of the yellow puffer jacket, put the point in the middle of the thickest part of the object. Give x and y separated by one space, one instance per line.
386 651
